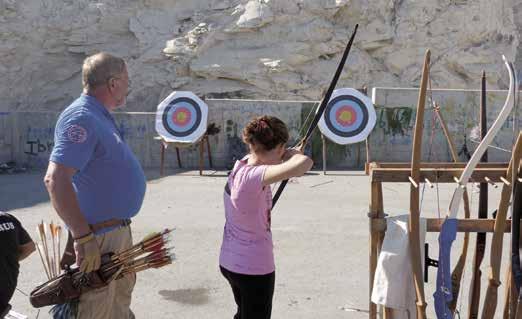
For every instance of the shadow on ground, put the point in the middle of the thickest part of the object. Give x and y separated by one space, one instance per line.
196 296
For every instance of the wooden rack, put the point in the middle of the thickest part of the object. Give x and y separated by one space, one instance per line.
380 173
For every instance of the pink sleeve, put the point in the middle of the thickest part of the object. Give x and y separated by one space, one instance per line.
253 181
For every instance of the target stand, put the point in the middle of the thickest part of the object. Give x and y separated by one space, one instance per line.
349 118
181 121
165 144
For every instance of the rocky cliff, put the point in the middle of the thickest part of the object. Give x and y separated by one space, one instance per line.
263 49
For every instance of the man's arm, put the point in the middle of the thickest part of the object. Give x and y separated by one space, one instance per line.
58 181
25 250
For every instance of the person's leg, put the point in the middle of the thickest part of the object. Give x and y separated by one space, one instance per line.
113 300
236 291
256 296
125 285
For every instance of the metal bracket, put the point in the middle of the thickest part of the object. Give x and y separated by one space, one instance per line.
428 262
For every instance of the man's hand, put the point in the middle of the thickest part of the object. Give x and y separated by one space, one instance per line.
88 256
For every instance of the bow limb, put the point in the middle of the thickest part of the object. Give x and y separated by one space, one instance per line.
456 275
490 301
482 147
413 222
516 296
321 108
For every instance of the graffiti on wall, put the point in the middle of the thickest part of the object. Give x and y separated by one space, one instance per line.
396 120
36 147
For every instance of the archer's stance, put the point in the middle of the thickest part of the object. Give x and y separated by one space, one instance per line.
246 258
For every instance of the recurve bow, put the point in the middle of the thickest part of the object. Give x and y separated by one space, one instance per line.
482 147
480 245
413 222
321 108
456 275
490 301
515 239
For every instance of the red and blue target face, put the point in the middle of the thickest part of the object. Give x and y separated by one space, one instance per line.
182 117
346 116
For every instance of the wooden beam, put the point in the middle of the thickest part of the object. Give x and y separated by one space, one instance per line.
433 225
435 175
374 165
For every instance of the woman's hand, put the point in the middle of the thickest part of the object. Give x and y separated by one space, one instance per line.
290 152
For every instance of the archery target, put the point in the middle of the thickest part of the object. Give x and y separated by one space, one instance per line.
349 117
182 117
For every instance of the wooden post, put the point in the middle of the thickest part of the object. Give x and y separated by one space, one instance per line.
201 156
323 140
208 152
376 237
179 158
162 158
367 164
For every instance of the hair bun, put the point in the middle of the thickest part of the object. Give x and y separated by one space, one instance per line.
266 132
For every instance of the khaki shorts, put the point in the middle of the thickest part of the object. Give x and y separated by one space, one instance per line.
112 301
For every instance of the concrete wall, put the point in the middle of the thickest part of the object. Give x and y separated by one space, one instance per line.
392 137
27 137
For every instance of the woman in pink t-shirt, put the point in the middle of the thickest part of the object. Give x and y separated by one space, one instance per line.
247 259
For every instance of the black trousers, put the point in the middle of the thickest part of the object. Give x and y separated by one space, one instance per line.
252 293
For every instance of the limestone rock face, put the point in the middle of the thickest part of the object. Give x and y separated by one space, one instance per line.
262 49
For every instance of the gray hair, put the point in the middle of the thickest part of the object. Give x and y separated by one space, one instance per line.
99 68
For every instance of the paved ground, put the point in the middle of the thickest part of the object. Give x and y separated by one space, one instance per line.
320 231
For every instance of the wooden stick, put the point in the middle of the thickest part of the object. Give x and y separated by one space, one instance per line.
414 220
487 179
53 241
430 185
412 181
59 235
43 237
323 140
43 262
505 181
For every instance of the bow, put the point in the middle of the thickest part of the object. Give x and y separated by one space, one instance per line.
456 275
515 243
321 108
481 149
413 222
482 213
490 301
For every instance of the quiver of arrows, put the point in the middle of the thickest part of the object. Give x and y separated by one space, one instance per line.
151 252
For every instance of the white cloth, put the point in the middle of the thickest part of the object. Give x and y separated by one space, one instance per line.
393 285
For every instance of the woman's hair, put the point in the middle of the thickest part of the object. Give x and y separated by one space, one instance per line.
264 133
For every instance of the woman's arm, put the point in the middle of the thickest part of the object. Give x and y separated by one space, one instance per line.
295 166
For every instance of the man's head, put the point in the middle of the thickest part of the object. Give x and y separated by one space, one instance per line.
105 77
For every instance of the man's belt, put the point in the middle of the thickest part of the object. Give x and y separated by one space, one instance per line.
109 223
69 256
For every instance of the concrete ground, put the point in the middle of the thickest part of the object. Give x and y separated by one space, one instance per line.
320 232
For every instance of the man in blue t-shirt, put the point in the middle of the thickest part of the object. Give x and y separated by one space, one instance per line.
95 182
